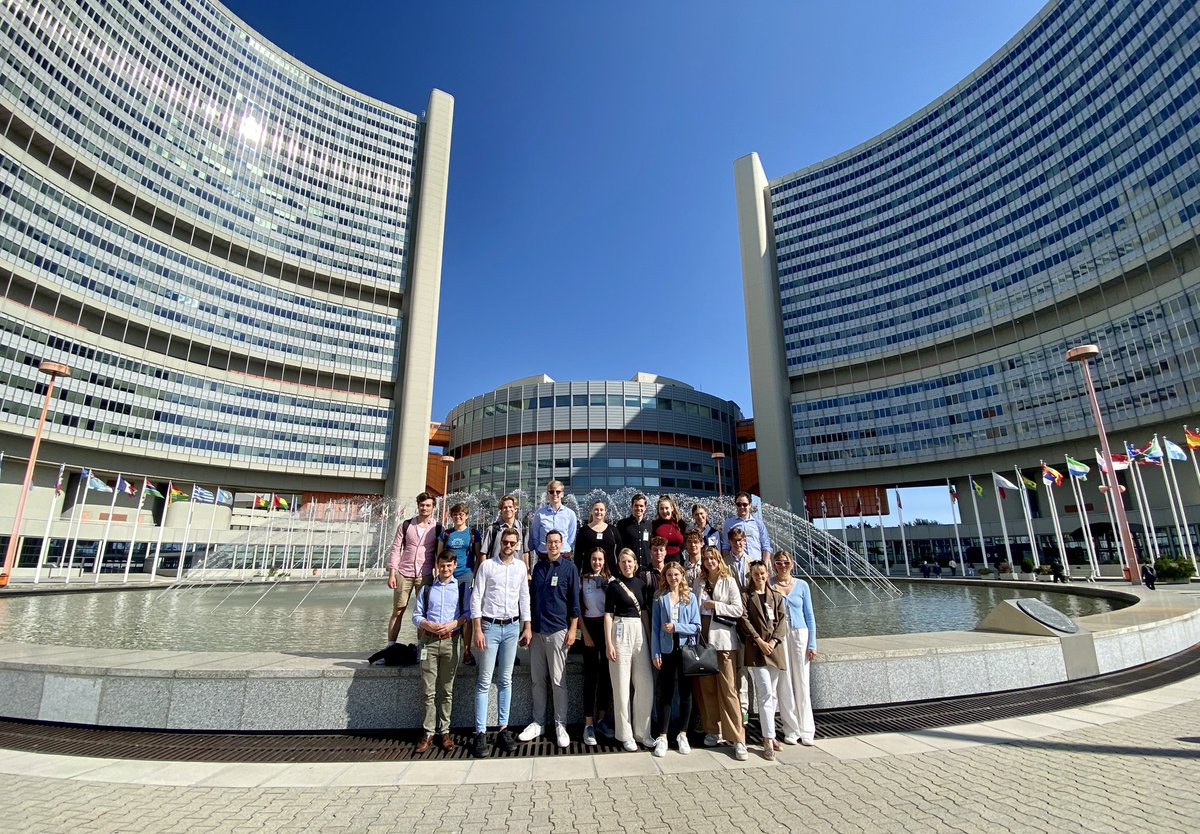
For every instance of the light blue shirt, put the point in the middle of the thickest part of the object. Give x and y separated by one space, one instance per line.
443 603
545 519
757 540
800 611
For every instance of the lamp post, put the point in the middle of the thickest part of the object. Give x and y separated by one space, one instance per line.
446 459
718 457
53 370
1081 355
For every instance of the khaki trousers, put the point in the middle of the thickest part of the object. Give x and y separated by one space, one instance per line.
631 714
438 667
720 709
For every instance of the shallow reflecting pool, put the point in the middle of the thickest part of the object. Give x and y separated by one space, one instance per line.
273 618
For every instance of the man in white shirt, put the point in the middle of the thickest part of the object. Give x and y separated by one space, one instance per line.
500 611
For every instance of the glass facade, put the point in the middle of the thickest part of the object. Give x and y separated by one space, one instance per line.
593 435
931 279
215 238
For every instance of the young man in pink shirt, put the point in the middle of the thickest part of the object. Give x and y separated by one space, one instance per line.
410 562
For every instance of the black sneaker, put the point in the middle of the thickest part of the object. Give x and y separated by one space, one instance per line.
505 741
481 749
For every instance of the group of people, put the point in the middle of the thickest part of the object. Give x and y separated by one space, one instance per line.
639 594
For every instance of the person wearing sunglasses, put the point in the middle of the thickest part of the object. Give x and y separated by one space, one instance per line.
795 700
758 543
552 515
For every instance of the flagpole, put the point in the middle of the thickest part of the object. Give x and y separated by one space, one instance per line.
212 519
187 533
1003 526
952 495
346 542
1170 495
1033 546
845 543
1185 533
84 484
162 526
312 512
289 562
1062 547
887 568
1113 492
45 548
903 538
267 540
137 520
979 522
112 505
1148 528
1093 558
862 529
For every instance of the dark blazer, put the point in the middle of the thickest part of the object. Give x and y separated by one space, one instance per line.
768 622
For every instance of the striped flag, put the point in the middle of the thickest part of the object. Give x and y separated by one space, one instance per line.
1077 469
125 487
204 496
1192 438
58 485
1051 476
1001 483
176 493
148 487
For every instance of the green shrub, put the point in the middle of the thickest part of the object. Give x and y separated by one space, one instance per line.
1174 569
1027 565
1043 570
985 571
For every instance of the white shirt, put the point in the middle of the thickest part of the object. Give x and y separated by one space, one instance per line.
501 591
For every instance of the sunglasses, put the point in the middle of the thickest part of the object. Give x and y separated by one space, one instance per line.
742 504
554 492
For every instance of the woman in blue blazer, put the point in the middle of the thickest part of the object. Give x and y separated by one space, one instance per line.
675 621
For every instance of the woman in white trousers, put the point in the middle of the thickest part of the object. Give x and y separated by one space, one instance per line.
626 604
795 701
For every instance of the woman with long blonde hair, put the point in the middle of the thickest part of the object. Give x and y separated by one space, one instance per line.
675 623
720 610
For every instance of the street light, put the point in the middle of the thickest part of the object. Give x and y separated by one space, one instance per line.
1081 355
718 457
53 370
446 459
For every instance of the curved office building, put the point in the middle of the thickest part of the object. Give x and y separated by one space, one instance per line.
910 301
651 433
238 257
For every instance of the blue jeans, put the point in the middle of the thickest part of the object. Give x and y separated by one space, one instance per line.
500 641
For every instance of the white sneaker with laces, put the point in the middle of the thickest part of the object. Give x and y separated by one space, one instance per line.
739 752
681 741
649 743
711 740
560 735
630 746
530 732
791 739
589 735
660 747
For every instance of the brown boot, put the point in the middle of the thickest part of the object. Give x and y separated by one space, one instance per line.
447 742
425 742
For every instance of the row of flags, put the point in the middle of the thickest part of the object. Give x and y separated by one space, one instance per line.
1152 454
173 494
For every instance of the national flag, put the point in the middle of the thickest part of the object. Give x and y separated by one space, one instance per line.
1001 483
125 487
95 483
176 493
1028 483
1120 463
261 502
1192 438
204 496
1173 450
978 489
279 503
151 488
953 494
858 503
1051 476
899 506
1077 469
58 485
824 508
1153 451
224 496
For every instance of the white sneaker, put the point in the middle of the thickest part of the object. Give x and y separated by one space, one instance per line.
807 742
681 742
649 743
589 735
531 732
791 739
560 735
630 746
739 752
711 740
660 747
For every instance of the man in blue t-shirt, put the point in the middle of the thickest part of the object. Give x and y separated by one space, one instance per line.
463 542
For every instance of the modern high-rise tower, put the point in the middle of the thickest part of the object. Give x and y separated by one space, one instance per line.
909 302
239 258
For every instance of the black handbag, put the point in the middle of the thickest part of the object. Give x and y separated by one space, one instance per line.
698 659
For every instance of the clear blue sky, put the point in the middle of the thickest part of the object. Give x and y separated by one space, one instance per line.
591 230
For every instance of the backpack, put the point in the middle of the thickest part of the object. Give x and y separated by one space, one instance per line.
404 529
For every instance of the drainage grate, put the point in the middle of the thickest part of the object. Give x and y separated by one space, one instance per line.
155 745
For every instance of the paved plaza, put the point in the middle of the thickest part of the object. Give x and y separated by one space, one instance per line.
1129 765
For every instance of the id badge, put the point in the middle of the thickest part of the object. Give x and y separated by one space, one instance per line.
599 536
619 629
421 653
554 582
675 613
645 535
771 614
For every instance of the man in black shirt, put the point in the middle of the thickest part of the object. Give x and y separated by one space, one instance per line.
635 531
